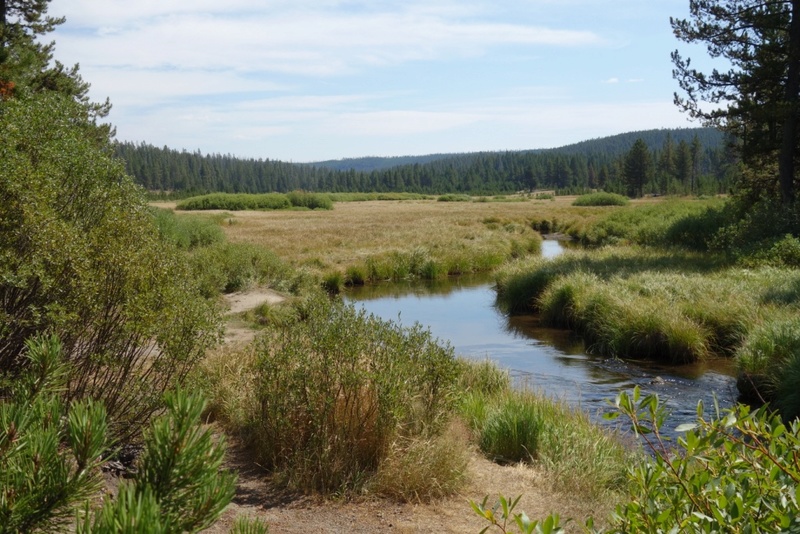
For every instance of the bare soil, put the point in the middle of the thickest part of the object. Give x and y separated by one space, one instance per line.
256 496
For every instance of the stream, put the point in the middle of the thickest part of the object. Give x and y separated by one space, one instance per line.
462 312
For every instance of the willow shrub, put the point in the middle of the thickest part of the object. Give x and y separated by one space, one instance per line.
188 231
601 199
229 267
80 257
735 472
335 390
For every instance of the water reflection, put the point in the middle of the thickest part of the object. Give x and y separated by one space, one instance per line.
462 312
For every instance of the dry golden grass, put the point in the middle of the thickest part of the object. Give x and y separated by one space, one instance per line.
354 231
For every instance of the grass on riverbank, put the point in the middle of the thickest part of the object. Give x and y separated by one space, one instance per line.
640 303
360 242
383 413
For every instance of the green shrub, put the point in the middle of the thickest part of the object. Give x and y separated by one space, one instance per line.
187 232
236 202
454 198
312 201
601 199
80 257
736 472
230 267
335 390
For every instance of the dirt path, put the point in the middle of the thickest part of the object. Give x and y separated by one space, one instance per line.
237 331
256 497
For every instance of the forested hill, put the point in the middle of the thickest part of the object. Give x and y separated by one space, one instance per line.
615 145
674 161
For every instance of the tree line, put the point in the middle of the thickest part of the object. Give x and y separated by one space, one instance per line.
653 162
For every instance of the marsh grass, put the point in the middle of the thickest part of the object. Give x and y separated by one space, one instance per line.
521 425
769 364
645 303
684 223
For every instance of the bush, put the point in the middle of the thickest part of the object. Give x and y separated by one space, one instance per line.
187 232
236 202
335 390
312 201
230 267
736 472
454 198
80 257
601 199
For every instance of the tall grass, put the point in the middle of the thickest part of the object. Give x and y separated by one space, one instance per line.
644 303
769 365
685 223
338 388
520 425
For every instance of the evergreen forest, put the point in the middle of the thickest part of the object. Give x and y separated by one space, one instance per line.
678 161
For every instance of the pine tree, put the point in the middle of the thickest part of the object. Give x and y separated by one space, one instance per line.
758 97
27 65
637 168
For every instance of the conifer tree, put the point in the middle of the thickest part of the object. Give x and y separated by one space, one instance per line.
758 97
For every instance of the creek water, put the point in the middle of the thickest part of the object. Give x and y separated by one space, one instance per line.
462 313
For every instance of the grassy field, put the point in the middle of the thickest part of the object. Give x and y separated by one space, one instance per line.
458 236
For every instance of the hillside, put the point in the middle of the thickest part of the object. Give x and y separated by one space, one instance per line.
615 144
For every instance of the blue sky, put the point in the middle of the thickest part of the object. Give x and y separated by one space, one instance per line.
306 80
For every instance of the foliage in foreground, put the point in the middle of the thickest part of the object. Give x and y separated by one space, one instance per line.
736 472
50 454
80 257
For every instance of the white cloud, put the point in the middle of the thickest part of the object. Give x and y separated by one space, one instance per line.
316 79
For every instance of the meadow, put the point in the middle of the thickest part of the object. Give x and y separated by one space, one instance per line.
376 240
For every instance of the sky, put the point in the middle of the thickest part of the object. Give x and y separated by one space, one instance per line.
310 80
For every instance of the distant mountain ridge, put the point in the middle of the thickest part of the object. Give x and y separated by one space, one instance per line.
613 145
